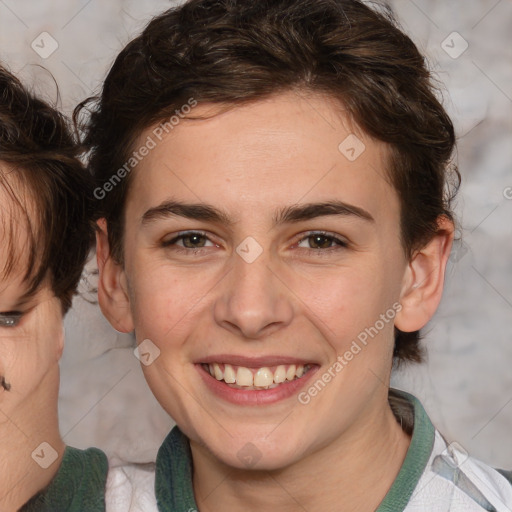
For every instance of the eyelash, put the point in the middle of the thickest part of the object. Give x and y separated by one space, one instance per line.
342 244
10 319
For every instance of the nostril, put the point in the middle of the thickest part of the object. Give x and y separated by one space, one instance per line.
4 384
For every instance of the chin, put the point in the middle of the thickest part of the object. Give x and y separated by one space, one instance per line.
253 451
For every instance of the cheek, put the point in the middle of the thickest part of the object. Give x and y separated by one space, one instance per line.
162 300
43 341
28 358
343 302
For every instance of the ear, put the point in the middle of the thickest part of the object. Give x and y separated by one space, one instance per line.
112 285
423 280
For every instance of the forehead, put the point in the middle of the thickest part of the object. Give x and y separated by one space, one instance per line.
286 149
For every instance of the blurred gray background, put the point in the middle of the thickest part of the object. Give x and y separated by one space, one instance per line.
466 385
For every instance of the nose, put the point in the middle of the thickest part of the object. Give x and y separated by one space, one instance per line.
253 301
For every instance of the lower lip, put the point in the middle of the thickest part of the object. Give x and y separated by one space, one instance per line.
255 396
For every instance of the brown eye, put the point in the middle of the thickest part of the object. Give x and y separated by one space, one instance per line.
189 240
194 240
322 241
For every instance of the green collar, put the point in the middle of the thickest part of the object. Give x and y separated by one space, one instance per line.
173 480
78 486
418 454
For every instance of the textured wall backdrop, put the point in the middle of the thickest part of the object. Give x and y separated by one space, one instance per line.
466 385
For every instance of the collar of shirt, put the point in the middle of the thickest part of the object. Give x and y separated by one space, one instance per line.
173 481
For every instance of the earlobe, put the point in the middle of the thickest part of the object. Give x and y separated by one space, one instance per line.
112 289
423 280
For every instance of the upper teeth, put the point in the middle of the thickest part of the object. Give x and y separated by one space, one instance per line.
256 377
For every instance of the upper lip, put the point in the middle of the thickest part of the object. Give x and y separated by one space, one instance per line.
253 362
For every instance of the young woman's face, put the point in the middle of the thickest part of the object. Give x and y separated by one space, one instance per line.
31 332
264 242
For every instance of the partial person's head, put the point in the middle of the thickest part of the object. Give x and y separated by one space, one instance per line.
45 237
271 191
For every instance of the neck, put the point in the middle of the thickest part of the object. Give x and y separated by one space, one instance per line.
353 473
22 430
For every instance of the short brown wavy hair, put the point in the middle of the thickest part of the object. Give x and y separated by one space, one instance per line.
237 51
48 190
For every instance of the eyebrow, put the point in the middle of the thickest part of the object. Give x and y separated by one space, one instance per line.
299 213
289 214
190 211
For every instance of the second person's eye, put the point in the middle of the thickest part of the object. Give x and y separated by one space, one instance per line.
10 319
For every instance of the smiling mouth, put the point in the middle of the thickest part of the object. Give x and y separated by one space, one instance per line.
266 377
